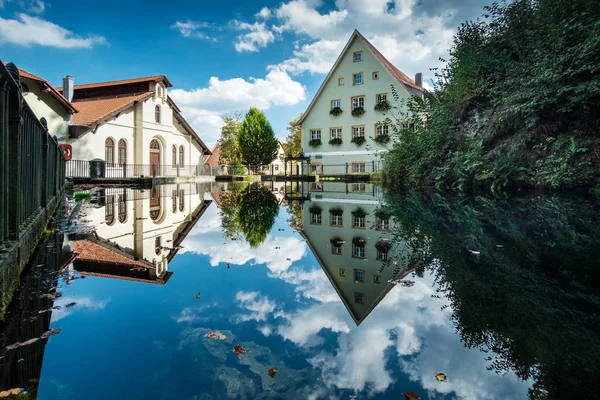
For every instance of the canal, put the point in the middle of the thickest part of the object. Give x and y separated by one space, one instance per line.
234 291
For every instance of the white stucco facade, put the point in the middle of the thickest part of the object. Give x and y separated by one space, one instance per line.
44 105
358 78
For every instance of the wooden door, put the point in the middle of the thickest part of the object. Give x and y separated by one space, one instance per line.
154 163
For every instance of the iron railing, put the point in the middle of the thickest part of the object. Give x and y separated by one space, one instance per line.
349 168
101 169
32 164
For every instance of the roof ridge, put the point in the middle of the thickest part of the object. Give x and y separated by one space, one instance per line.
122 82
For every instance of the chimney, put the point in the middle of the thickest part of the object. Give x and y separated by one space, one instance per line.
68 92
418 79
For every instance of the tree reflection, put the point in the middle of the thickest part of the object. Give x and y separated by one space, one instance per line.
521 277
250 212
257 213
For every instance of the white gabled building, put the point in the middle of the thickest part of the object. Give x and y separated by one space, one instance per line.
360 78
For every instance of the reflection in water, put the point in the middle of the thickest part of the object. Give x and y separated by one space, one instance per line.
146 236
307 292
521 278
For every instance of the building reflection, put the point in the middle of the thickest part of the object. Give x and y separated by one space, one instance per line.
138 232
351 237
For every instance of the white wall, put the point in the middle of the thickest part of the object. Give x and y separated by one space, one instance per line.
45 106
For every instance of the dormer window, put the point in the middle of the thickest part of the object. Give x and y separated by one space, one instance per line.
157 114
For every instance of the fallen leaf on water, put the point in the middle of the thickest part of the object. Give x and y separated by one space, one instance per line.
440 376
239 350
411 396
21 360
272 372
197 295
13 346
11 392
30 341
475 252
215 335
70 305
51 332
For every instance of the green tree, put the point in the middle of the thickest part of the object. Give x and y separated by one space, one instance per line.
230 133
257 142
293 141
256 215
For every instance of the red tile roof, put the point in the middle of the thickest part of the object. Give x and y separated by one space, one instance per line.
153 78
89 250
93 111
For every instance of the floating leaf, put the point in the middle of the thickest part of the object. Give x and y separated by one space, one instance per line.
197 295
11 392
30 341
51 332
13 346
215 335
272 372
239 350
440 376
70 305
411 396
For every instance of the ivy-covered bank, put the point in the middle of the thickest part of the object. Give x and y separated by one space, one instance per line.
518 104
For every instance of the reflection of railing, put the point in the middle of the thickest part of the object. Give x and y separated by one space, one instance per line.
353 168
32 165
102 169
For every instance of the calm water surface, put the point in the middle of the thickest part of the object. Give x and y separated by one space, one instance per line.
342 289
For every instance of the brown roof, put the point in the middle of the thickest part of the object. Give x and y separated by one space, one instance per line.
215 157
153 78
93 111
90 250
46 86
157 281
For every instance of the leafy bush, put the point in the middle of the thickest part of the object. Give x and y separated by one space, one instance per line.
336 211
315 142
336 142
358 111
382 106
382 139
315 209
359 212
335 111
358 140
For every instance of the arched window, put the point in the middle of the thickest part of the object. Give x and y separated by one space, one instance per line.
109 151
174 200
181 199
154 145
160 91
174 156
122 207
157 114
157 245
109 210
122 152
181 155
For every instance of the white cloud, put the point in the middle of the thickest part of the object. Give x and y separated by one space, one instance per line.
264 13
32 6
80 303
259 306
204 107
258 37
317 57
27 30
191 29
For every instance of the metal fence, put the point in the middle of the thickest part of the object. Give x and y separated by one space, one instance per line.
350 168
32 164
102 169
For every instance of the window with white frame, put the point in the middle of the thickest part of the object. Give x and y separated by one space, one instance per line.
359 167
382 255
340 81
336 250
382 129
382 224
358 131
316 168
336 220
315 134
381 97
359 187
336 133
357 79
335 104
359 251
358 102
358 222
315 218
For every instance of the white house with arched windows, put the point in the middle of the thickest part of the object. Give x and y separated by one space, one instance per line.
132 122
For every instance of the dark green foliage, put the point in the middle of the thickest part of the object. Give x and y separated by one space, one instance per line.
336 211
358 111
257 212
358 241
358 140
521 278
517 103
257 142
82 195
315 142
382 106
315 209
382 139
335 111
336 241
359 212
336 142
383 245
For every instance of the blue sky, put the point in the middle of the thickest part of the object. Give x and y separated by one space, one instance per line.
224 56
